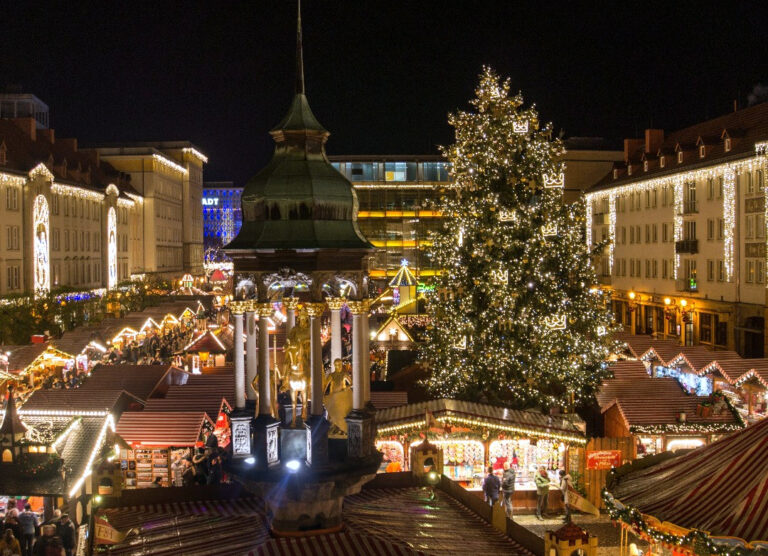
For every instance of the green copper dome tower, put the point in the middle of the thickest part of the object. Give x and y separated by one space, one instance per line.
299 201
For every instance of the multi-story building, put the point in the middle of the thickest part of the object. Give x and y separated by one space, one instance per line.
395 195
68 217
684 221
222 215
169 177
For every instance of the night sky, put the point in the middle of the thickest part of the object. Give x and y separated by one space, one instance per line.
381 76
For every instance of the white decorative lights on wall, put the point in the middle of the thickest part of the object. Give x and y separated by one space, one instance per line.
169 163
729 220
111 248
41 227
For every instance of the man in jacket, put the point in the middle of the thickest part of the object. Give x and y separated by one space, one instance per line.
491 487
542 492
66 531
508 488
565 485
28 525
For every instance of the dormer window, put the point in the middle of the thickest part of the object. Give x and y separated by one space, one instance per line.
679 157
645 165
727 144
662 161
702 151
615 173
629 169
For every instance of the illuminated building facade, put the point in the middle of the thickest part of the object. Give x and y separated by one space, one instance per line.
222 214
684 218
68 217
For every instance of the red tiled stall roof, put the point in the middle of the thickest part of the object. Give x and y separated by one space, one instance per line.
721 488
383 400
210 402
142 381
737 371
160 428
697 358
22 356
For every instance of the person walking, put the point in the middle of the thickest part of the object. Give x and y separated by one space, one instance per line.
49 543
9 545
28 526
200 460
508 488
542 492
11 520
188 476
565 486
67 534
491 487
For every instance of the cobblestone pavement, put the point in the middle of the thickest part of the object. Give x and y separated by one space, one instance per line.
607 533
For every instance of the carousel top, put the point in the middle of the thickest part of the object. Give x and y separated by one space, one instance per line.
299 201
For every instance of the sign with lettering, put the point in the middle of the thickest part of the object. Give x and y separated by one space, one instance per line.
603 459
241 437
210 202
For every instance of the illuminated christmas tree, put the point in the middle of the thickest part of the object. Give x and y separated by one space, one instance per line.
517 317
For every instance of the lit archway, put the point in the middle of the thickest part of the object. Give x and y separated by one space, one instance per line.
111 248
41 227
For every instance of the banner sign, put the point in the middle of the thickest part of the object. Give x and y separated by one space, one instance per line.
603 459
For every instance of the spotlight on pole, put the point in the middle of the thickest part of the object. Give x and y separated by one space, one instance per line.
250 461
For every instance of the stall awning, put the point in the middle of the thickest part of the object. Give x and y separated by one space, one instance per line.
160 428
721 488
206 341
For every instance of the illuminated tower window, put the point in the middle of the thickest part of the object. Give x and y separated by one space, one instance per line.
111 248
40 222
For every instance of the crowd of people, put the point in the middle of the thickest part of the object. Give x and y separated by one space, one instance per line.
24 535
502 490
154 349
204 467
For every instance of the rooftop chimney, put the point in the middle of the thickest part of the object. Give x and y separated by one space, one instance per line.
48 134
70 143
631 147
28 126
653 140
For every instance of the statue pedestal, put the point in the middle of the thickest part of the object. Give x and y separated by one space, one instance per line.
242 434
265 442
361 434
317 440
286 415
293 444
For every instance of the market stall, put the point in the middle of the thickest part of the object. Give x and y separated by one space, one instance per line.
708 501
156 438
474 436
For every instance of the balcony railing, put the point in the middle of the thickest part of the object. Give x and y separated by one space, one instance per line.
690 207
687 285
601 219
690 246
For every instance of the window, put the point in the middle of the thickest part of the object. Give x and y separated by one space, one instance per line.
13 277
66 240
664 232
74 240
710 188
654 198
750 226
631 234
720 228
55 236
615 173
710 228
645 165
760 225
12 238
647 233
750 271
690 230
664 269
679 157
705 327
12 198
720 271
55 204
647 198
647 268
720 183
624 235
727 144
662 161
750 183
655 233
760 278
66 206
637 234
710 270
664 196
702 151
655 266
759 180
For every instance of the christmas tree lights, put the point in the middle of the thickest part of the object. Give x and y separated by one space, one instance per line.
516 317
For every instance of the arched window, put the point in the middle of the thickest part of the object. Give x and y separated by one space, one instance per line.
7 456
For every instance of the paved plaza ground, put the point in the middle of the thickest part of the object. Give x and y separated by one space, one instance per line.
607 533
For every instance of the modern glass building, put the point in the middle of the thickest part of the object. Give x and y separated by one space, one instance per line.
222 216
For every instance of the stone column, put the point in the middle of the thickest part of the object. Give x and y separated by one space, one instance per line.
250 350
239 357
315 312
290 304
335 304
264 311
366 350
357 308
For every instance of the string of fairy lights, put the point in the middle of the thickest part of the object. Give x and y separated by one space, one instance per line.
516 316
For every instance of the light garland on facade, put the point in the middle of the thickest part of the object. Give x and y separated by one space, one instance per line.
41 170
41 231
138 199
589 217
111 248
685 428
77 192
611 231
11 179
195 153
62 413
109 423
169 163
729 220
125 203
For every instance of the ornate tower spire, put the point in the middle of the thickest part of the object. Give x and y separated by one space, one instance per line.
300 90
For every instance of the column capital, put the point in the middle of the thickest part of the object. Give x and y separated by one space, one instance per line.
263 309
314 309
335 303
358 307
291 303
237 307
